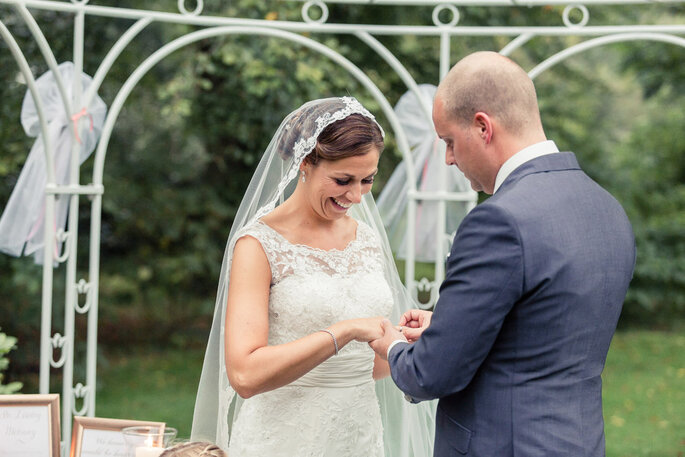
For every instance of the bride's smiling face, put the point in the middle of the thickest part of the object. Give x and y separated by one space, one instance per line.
333 186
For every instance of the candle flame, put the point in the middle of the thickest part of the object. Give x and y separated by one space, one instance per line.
149 442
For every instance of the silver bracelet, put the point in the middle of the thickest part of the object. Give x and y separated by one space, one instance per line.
335 341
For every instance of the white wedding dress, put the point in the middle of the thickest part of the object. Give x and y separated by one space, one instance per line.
336 409
332 410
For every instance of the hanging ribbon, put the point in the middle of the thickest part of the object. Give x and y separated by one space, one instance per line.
23 221
428 163
75 119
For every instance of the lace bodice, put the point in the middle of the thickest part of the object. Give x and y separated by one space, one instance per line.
313 288
335 402
361 255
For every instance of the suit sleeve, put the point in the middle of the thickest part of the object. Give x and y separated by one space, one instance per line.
483 280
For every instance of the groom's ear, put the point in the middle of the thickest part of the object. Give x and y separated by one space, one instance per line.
483 123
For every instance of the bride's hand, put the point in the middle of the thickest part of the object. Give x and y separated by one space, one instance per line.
367 329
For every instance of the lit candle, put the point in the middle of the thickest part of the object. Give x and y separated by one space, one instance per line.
149 450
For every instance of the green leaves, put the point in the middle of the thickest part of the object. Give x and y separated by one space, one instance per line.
7 343
188 138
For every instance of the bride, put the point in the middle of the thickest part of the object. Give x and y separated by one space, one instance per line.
307 278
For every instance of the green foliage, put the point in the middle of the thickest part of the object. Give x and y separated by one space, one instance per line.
190 134
619 108
7 343
651 176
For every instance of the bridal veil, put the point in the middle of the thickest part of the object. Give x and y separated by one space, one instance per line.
408 428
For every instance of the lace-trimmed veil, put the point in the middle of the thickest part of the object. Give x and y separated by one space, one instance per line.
408 428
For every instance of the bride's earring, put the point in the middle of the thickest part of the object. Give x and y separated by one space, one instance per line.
304 179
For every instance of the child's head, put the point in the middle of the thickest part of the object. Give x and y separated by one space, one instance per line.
194 449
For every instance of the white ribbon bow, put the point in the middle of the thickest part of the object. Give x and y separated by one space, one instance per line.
23 220
428 161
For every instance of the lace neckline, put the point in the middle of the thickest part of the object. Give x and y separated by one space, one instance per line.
312 248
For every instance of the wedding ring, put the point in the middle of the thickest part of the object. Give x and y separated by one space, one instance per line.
401 329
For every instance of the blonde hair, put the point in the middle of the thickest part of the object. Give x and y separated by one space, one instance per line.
194 449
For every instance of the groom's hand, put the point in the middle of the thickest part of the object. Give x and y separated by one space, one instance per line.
390 334
414 322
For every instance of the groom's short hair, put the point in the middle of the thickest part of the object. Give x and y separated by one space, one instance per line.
491 83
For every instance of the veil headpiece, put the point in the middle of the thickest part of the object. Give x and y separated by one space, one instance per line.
297 135
408 429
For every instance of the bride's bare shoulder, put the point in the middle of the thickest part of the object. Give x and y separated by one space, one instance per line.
250 255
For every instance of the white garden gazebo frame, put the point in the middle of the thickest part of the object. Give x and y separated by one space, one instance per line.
208 26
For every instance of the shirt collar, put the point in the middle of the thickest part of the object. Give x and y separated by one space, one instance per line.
524 155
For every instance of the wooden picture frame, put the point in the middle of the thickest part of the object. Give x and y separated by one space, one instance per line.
99 436
29 425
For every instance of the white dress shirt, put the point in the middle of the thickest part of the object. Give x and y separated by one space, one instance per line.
524 155
392 345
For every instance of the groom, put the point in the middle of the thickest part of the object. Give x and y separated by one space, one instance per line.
534 283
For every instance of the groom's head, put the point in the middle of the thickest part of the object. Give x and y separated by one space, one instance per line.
486 110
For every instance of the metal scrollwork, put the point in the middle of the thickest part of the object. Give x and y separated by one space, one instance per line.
439 9
57 342
425 285
82 287
321 5
199 5
567 12
80 391
62 237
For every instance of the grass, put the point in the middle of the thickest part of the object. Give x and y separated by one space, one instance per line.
153 385
644 395
644 391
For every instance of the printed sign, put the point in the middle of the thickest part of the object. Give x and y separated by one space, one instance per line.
102 437
29 425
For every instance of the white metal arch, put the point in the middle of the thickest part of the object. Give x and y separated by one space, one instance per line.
46 292
212 26
26 72
602 41
46 51
400 69
135 77
66 342
192 37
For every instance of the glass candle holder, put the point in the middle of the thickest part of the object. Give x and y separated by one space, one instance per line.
147 440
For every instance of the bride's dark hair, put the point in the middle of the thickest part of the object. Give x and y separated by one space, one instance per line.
352 136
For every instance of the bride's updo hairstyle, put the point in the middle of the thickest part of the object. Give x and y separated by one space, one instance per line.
355 135
194 449
352 135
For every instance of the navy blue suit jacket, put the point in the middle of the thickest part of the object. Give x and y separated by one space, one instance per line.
533 289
